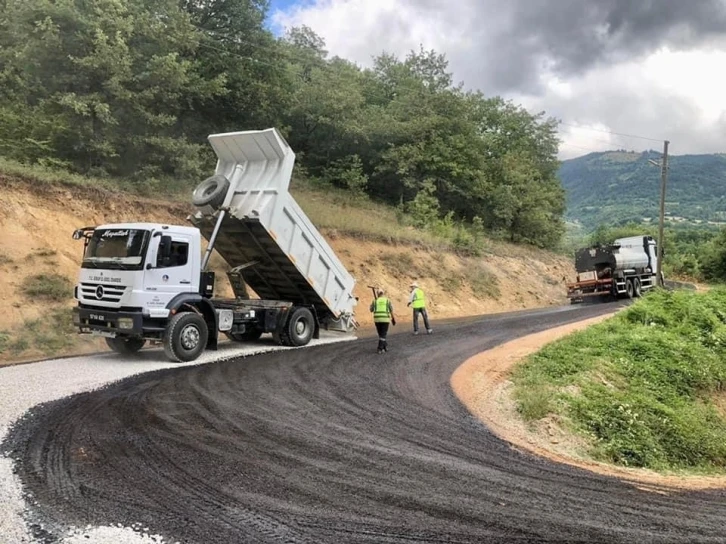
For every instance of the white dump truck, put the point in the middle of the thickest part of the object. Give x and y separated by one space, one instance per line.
625 268
148 282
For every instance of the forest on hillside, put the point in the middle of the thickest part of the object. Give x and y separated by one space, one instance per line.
618 187
130 89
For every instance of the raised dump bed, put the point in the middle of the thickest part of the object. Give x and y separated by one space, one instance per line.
245 209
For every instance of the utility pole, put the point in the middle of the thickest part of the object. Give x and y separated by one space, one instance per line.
663 179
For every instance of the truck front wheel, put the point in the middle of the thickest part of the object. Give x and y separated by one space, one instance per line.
300 327
637 287
185 337
125 346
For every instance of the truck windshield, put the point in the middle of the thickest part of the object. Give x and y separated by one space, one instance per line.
121 249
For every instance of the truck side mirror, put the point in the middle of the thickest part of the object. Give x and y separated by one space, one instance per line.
164 253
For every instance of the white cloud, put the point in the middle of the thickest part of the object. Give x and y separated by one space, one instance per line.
622 82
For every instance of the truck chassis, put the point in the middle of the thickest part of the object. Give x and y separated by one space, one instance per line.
623 284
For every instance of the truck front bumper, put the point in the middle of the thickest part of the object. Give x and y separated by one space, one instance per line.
108 322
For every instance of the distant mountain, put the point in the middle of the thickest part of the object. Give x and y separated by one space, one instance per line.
616 187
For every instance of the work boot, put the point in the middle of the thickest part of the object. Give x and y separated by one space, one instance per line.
415 333
430 331
380 351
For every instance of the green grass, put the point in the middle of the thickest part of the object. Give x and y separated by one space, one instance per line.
53 287
54 176
50 334
483 282
332 210
51 176
642 386
337 211
451 283
400 264
535 402
45 252
4 341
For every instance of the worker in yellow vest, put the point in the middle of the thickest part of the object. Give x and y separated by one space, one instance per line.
382 316
417 300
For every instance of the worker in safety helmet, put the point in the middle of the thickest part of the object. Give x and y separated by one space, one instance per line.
417 300
382 315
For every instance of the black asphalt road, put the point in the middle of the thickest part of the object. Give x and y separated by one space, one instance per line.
332 444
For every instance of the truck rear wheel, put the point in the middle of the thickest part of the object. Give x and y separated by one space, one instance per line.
300 327
125 346
629 289
185 337
637 287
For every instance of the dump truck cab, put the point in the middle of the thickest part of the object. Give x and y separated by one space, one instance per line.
138 265
135 276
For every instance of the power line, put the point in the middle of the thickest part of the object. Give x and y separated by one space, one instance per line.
611 132
609 142
583 148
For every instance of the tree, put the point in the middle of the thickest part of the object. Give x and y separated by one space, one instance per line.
235 45
110 80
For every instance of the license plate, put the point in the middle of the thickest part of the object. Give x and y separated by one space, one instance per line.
97 317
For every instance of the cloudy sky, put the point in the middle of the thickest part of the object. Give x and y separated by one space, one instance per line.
652 68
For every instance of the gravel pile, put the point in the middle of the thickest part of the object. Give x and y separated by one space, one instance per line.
24 386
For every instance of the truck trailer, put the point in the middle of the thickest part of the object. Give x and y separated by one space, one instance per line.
625 268
149 282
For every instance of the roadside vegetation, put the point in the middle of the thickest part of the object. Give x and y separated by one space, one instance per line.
48 287
643 389
126 97
50 335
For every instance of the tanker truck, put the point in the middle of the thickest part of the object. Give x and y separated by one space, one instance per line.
149 282
625 268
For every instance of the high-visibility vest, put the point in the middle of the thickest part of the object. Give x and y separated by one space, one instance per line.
380 311
419 301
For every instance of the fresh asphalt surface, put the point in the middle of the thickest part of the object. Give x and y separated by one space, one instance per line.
331 444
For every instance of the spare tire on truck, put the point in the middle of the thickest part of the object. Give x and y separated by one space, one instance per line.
211 191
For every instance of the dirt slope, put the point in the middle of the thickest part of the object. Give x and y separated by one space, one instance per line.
37 220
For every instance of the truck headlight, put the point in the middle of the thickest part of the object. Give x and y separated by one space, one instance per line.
125 323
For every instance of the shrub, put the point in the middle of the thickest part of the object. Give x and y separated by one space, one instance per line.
48 287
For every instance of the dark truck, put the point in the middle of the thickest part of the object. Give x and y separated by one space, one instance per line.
625 268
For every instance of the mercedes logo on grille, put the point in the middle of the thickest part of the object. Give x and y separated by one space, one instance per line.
99 292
